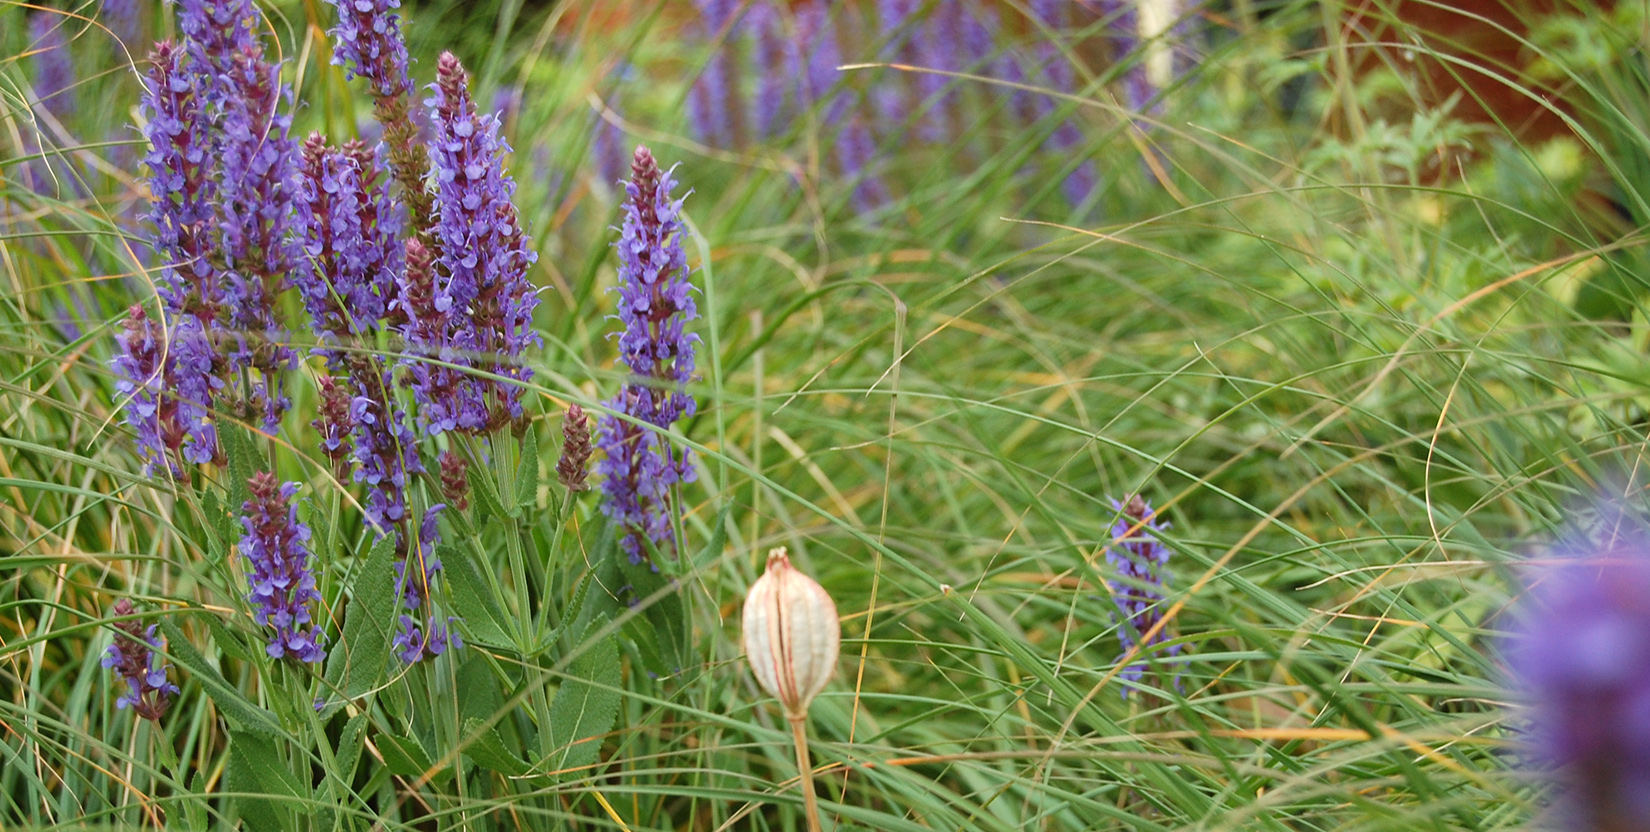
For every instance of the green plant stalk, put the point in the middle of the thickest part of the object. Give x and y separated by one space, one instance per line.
810 803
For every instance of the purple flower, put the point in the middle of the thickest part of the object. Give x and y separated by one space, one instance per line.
1140 559
181 190
710 102
612 158
574 466
655 301
351 259
1581 653
132 656
424 636
772 75
486 299
276 548
53 69
125 19
385 449
813 60
370 46
144 375
334 423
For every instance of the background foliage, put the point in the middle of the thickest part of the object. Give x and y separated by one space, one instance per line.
1365 354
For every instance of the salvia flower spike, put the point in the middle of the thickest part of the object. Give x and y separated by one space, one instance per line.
792 637
1141 560
133 657
276 547
1581 657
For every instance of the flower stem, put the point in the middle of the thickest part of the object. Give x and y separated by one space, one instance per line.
799 731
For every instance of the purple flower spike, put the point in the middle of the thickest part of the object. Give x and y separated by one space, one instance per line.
276 548
133 657
385 449
486 298
351 260
1581 654
773 77
814 57
423 636
655 301
334 423
1140 559
53 70
145 374
370 46
180 190
710 103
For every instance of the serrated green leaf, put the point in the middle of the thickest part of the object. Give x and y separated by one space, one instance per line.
527 475
478 611
488 750
227 641
358 661
586 705
486 496
403 756
350 742
255 768
230 702
243 460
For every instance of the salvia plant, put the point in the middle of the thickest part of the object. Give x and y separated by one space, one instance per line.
423 430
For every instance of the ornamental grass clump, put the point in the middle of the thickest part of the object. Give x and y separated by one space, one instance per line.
1581 656
655 303
792 637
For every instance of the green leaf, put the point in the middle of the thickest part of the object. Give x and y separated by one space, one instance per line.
527 475
243 461
486 496
359 659
217 524
240 711
487 748
718 539
663 618
227 641
403 756
478 611
586 706
350 741
255 767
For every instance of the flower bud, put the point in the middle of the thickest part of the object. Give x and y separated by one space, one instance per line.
792 634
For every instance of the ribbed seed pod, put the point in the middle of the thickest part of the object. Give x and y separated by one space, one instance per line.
792 634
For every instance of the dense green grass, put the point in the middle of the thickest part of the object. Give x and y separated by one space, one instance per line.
1362 388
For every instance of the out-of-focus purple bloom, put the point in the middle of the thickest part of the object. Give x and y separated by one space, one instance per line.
53 79
814 57
772 75
612 155
125 19
1582 655
655 302
423 636
856 156
276 547
352 260
486 298
711 107
142 376
1141 561
901 41
132 656
335 423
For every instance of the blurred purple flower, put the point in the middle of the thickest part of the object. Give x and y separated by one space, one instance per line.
132 656
276 547
1141 561
1581 653
53 66
655 301
125 19
772 75
710 103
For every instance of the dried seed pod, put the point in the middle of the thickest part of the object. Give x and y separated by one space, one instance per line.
792 634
